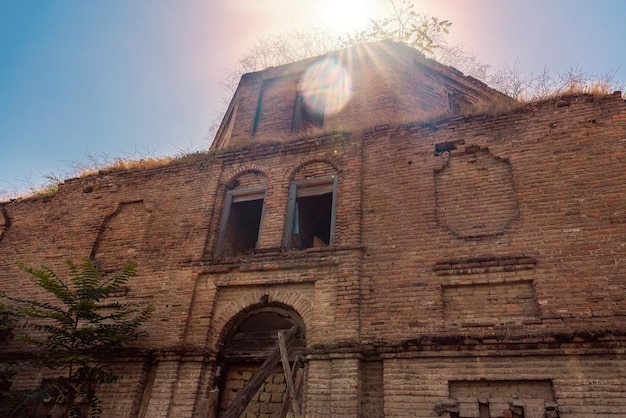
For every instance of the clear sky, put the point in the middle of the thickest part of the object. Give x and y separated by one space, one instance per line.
129 78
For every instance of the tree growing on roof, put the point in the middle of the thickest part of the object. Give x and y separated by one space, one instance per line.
402 24
425 33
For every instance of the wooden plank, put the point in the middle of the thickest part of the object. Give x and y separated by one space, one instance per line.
214 404
284 356
299 380
297 372
246 394
207 407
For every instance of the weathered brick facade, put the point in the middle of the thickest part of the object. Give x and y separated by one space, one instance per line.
469 266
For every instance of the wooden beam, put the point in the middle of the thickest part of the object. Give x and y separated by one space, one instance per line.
207 407
214 397
296 372
246 394
284 356
299 380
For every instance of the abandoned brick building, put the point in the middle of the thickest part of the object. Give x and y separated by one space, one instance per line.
438 249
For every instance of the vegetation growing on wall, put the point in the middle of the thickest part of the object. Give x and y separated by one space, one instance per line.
8 321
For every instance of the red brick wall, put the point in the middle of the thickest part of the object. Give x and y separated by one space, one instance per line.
585 385
499 258
568 184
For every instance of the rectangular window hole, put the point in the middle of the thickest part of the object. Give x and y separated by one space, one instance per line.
312 221
311 214
243 222
305 118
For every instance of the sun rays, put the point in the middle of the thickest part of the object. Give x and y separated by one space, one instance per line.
346 15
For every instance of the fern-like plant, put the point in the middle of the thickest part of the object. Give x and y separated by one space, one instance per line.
8 321
80 330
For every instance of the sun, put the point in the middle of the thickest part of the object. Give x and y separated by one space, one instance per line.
342 16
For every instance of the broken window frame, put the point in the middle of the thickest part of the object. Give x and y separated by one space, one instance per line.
235 196
257 114
325 185
303 118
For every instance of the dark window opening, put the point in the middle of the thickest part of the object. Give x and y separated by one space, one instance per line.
305 118
311 220
241 223
483 409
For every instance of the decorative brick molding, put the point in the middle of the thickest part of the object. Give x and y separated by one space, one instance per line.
484 265
501 398
475 194
486 304
232 301
315 168
247 177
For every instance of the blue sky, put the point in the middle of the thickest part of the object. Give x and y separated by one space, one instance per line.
130 78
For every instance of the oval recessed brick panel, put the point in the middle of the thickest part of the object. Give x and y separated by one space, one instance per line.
475 195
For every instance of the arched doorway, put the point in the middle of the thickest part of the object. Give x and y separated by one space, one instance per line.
248 344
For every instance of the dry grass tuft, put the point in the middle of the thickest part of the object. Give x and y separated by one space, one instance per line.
49 188
493 108
125 164
93 165
545 86
596 88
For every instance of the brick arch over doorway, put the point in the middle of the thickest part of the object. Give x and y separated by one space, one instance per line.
233 302
248 342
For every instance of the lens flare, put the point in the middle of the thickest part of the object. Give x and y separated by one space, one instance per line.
326 86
